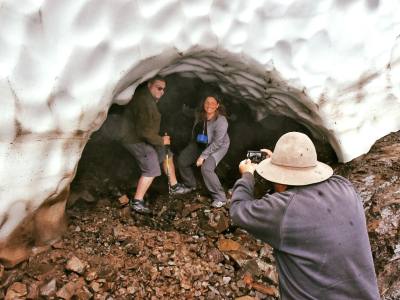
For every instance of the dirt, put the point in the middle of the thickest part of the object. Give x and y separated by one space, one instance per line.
187 250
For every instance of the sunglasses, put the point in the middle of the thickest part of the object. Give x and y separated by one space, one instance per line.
159 88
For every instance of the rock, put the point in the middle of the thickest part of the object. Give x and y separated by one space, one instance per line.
95 286
133 248
189 208
228 245
123 200
83 293
219 221
120 234
75 265
33 291
91 275
267 290
16 291
58 245
84 195
215 256
131 290
49 289
267 270
226 279
67 291
125 213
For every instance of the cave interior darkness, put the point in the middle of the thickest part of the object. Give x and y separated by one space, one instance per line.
107 168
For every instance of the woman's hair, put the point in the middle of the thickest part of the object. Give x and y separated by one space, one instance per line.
220 111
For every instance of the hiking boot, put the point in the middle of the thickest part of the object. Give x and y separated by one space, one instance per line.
218 203
180 189
139 206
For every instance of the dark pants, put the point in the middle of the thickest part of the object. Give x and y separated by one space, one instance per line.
187 158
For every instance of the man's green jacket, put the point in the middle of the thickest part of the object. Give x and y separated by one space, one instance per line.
141 119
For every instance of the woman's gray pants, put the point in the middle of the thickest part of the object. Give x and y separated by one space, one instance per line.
187 158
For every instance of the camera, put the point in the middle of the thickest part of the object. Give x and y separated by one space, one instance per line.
256 156
202 138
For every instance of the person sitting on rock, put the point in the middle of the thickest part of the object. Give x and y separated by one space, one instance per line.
209 144
141 123
314 221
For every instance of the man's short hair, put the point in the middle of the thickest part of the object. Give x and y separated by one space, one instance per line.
155 78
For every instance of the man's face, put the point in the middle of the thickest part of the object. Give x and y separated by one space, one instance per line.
157 89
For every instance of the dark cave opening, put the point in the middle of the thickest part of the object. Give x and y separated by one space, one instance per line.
106 167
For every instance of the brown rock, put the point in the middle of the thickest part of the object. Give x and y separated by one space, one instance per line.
67 291
228 245
219 221
83 293
16 291
58 245
49 289
189 208
120 234
373 225
125 213
75 265
33 291
91 275
123 200
266 290
215 256
95 286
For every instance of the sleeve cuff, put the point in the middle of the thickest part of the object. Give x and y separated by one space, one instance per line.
248 175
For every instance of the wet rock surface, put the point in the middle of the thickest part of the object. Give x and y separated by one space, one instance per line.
186 249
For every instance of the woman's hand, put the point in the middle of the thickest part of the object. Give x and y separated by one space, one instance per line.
247 166
199 161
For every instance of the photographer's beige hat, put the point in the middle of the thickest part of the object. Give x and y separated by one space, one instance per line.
294 162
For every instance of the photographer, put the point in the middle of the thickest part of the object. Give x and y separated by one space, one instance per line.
209 144
314 221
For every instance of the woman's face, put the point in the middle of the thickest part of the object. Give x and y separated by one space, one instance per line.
211 105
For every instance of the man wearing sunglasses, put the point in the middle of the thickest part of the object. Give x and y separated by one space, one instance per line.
142 124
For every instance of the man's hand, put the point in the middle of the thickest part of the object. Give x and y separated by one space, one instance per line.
166 140
199 161
247 166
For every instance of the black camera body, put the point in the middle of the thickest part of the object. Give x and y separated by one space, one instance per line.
256 156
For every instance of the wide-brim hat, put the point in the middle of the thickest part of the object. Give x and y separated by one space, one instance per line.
294 162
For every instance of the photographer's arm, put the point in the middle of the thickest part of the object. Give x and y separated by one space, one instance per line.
262 218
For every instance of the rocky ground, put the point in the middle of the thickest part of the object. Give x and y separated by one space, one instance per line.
187 250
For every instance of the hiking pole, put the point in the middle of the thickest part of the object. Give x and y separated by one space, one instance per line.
167 150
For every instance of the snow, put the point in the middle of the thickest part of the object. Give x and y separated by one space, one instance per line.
334 64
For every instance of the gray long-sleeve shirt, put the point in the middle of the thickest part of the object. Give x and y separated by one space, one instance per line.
218 138
319 237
